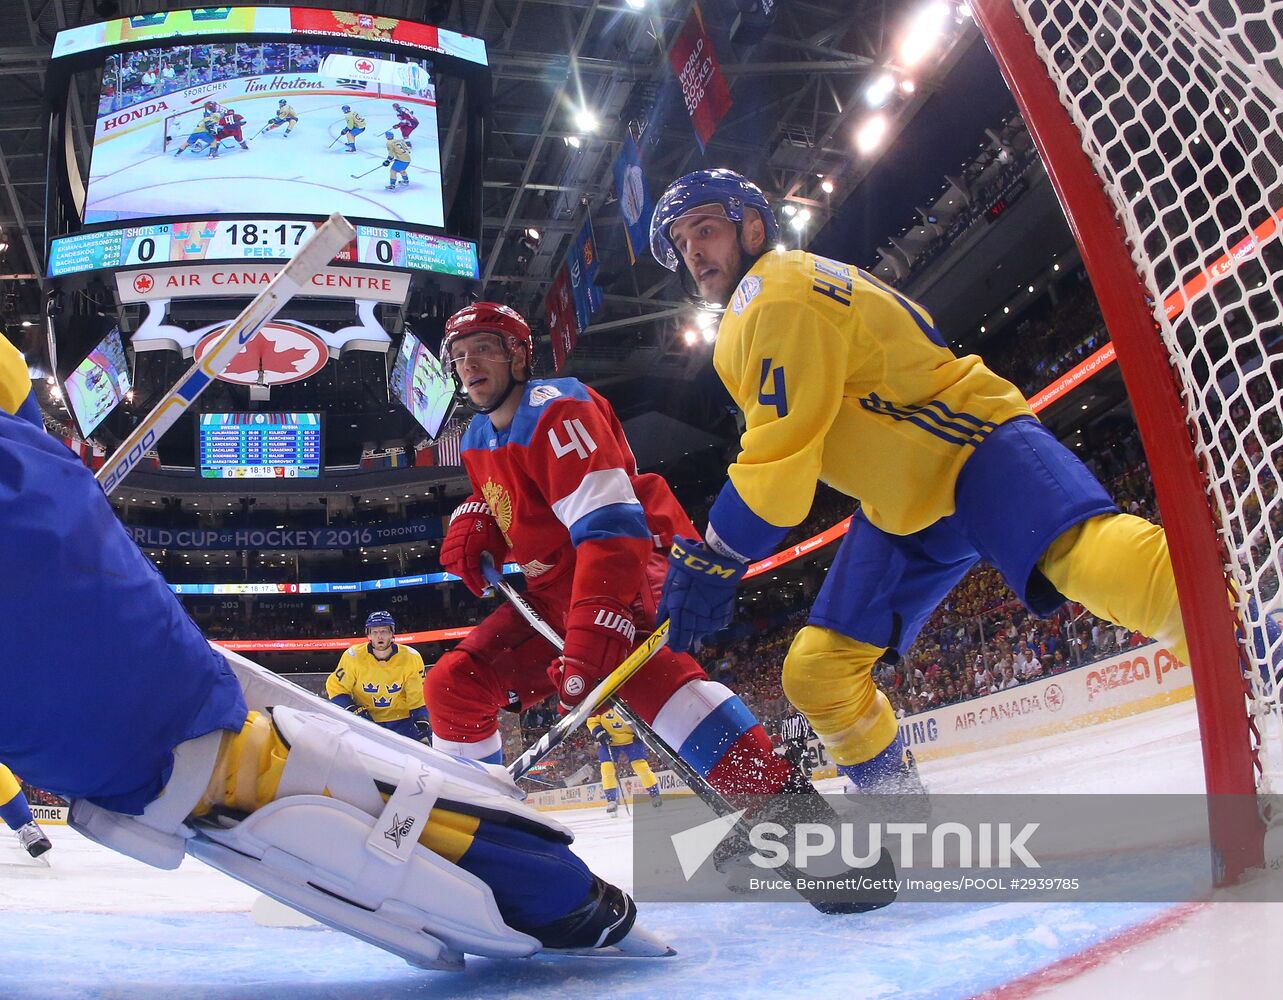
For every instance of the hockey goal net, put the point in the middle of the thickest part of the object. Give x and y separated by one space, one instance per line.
179 126
1159 123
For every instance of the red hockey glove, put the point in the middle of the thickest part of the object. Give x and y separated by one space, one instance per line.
473 530
599 635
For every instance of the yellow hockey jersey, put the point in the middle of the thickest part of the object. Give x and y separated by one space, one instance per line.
619 731
15 383
399 149
388 689
209 121
842 380
354 120
286 111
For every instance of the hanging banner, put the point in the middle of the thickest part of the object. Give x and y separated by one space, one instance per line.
634 199
583 272
703 86
559 310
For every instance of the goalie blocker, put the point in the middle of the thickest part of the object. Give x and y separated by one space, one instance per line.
167 746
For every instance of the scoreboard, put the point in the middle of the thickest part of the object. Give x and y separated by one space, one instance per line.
259 445
254 240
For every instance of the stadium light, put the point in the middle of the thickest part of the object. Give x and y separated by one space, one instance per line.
871 134
585 120
710 335
780 247
924 31
637 4
690 336
705 318
572 141
533 233
908 86
789 210
880 90
826 186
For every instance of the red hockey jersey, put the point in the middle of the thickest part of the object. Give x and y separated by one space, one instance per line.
563 485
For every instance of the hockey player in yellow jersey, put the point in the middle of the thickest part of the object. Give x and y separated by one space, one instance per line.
16 813
398 160
382 681
353 125
285 115
615 738
843 380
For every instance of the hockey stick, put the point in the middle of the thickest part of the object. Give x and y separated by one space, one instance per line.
573 719
649 738
333 234
695 781
368 172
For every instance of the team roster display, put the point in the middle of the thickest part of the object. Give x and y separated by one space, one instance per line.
254 240
259 445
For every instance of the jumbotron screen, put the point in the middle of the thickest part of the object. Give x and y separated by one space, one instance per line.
260 127
99 383
422 385
259 445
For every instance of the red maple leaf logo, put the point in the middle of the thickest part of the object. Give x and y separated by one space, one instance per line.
262 354
144 283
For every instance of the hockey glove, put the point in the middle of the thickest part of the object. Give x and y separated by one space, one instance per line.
602 737
599 635
357 710
699 592
473 530
423 731
387 163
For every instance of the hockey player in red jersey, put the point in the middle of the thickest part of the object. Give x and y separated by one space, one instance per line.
406 121
556 488
229 127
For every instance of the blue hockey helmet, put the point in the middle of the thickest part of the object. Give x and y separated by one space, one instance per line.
281 101
733 192
346 107
379 619
388 135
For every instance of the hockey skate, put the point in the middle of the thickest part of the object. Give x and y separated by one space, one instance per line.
33 839
392 186
656 800
895 796
331 815
798 802
612 807
405 180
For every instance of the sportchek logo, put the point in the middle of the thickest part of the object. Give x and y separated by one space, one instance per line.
613 621
399 829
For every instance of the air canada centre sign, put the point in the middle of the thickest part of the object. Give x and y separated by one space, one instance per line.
248 279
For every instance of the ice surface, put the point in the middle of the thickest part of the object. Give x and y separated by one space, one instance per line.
97 925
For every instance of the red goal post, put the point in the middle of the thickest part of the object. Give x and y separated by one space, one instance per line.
1158 123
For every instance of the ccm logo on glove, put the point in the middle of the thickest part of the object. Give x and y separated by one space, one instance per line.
699 564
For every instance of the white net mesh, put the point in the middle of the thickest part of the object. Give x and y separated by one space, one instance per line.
1178 107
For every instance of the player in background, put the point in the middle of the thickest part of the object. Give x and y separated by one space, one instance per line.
285 115
166 746
203 134
16 813
615 739
381 681
353 125
406 121
398 160
230 124
842 379
556 488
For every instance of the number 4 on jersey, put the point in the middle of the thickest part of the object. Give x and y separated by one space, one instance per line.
778 396
578 439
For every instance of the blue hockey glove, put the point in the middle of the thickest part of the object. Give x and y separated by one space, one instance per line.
423 731
699 592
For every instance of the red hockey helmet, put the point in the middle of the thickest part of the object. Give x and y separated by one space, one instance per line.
488 317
